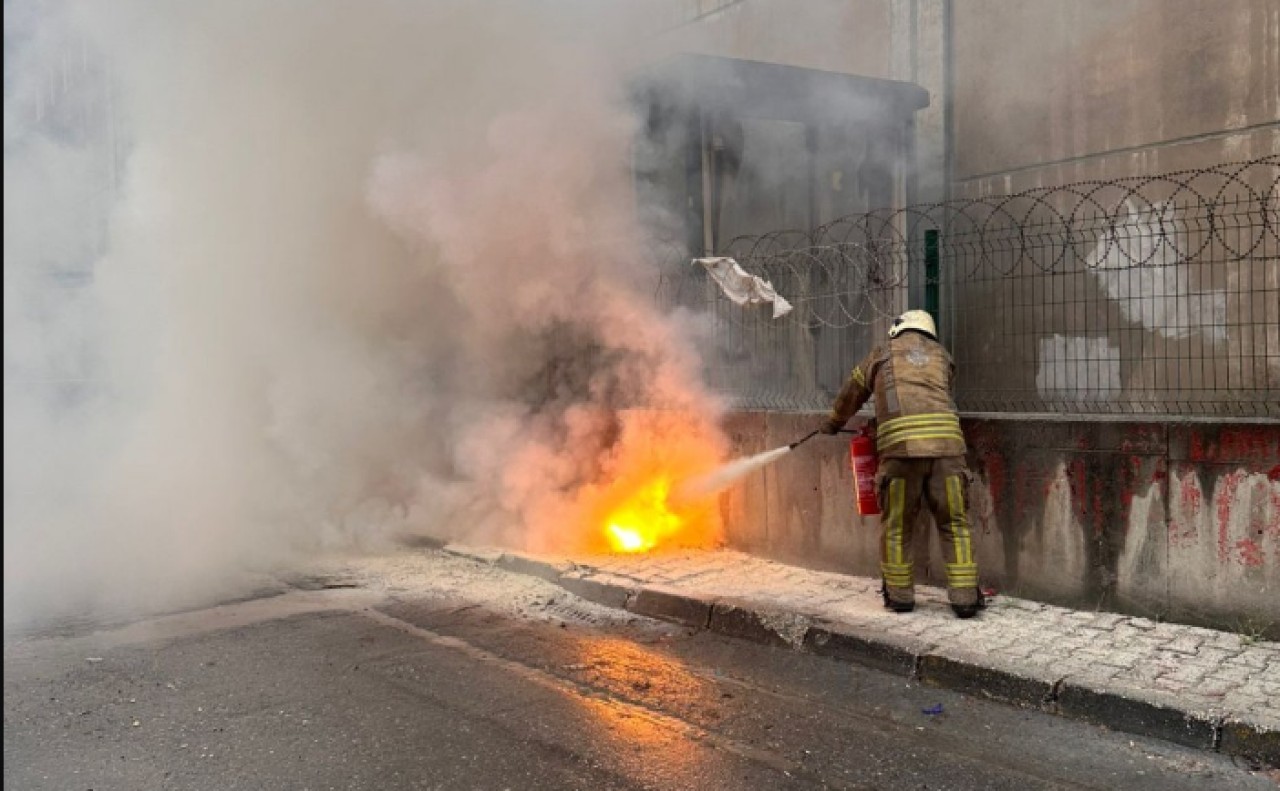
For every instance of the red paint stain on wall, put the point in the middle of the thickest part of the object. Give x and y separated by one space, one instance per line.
995 475
1250 444
1224 503
1272 527
1242 538
1192 497
1187 511
1129 487
1250 553
1077 479
1139 438
1197 452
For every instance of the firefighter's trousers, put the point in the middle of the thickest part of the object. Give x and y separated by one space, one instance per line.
941 484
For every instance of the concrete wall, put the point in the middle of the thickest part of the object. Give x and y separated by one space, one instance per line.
1168 520
1049 93
1033 93
848 36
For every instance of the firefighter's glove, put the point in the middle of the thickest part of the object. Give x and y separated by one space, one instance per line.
830 426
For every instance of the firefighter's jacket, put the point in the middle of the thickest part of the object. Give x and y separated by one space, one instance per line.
911 379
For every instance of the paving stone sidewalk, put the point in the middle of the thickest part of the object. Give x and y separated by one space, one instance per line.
1194 686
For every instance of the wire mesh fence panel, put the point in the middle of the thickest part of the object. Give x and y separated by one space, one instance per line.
1144 295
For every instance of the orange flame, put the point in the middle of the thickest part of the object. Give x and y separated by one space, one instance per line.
644 520
638 505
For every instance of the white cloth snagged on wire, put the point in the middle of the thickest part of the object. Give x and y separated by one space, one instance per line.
741 287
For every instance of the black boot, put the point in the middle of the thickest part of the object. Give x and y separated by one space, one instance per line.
970 610
890 604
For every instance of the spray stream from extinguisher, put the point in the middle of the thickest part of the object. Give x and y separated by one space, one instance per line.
725 476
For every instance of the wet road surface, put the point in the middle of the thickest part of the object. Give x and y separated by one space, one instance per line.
435 686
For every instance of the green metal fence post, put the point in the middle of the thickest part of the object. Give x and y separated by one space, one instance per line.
931 278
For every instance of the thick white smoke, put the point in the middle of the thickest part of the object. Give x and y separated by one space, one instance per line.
372 270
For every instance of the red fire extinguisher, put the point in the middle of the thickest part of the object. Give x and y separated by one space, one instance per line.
864 462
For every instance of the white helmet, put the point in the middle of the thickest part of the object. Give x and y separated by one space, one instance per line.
914 320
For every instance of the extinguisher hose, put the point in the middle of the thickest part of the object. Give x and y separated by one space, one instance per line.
812 434
803 440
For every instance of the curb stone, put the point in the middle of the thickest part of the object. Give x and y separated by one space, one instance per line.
1252 740
604 593
670 606
835 641
955 671
1133 715
486 555
771 627
523 564
908 656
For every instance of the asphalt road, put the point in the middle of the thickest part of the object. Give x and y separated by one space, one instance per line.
442 674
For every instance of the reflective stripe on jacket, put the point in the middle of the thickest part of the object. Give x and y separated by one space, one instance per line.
911 379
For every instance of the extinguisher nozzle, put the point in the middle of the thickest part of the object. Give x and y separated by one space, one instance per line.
802 440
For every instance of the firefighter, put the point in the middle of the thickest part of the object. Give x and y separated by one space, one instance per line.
921 457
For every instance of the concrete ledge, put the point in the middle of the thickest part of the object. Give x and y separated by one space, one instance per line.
1147 718
971 676
608 594
776 628
1252 740
835 642
669 606
533 567
488 555
419 541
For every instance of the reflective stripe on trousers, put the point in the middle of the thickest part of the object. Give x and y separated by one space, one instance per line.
940 484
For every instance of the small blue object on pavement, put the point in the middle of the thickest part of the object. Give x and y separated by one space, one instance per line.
934 709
